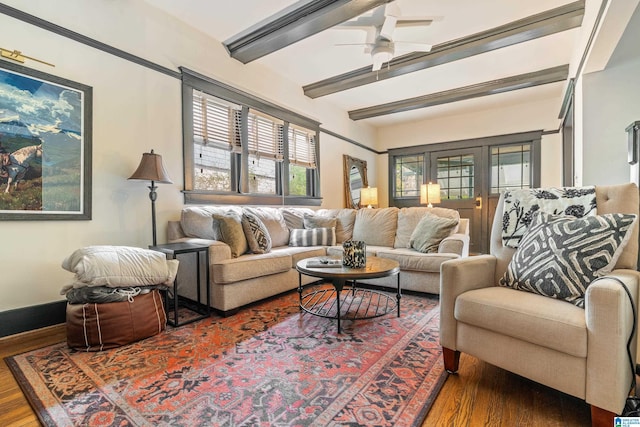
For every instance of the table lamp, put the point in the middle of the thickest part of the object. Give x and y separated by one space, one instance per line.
429 194
369 196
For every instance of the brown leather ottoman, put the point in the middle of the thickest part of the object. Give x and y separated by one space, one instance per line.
96 327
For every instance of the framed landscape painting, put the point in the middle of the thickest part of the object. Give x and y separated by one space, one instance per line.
45 146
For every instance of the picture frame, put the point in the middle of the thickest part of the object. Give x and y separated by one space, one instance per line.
45 146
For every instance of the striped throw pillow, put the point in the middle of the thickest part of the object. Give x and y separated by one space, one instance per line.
313 237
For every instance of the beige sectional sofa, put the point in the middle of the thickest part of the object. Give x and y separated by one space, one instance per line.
250 277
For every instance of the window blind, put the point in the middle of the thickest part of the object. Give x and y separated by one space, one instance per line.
216 122
265 136
302 147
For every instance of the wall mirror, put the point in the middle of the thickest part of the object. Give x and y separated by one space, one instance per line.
355 178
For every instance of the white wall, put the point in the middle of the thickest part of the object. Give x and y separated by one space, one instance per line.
136 109
541 114
609 104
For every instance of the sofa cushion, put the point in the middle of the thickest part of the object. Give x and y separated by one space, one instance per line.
376 227
408 218
298 253
559 256
274 221
256 233
231 232
313 237
345 220
312 221
430 231
525 316
250 266
411 260
196 221
371 250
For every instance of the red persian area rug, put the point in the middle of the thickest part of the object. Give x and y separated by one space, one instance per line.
268 365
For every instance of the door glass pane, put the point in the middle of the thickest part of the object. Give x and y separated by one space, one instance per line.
510 167
409 171
455 176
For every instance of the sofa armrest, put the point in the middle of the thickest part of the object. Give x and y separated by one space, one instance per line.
174 231
609 318
456 277
455 244
218 251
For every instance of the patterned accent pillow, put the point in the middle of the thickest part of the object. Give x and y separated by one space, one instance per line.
520 205
560 256
256 233
313 237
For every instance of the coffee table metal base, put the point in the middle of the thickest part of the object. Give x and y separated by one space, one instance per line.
350 302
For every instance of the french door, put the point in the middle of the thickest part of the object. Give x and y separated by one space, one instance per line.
461 175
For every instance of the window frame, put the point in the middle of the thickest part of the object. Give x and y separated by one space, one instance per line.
191 81
484 144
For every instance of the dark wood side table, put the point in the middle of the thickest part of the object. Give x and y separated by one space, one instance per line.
172 250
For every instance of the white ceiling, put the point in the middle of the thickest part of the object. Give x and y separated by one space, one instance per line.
316 57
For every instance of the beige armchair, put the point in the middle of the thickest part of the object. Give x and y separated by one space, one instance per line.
581 352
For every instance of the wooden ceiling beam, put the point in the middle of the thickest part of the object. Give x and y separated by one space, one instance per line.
543 24
301 20
521 81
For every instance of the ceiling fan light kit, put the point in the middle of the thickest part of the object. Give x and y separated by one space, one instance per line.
380 27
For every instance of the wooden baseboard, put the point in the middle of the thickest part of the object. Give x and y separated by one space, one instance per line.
31 318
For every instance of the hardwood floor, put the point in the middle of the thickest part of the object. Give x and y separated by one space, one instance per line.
479 395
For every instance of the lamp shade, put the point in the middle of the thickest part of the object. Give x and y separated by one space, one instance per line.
429 193
151 169
369 196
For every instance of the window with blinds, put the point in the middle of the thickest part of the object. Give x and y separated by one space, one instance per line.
242 149
216 134
302 159
302 147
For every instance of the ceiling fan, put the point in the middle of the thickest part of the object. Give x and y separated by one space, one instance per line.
380 27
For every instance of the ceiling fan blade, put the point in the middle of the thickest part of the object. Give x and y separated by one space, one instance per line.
414 22
412 46
388 27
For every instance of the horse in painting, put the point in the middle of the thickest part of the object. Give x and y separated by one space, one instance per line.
19 163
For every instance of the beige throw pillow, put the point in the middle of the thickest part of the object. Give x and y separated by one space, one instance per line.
231 233
311 221
376 227
430 231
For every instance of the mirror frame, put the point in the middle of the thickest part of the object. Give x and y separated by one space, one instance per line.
361 165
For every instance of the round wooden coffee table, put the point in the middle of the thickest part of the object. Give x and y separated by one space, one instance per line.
355 303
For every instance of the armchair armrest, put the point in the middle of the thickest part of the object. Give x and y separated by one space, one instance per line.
456 277
455 244
609 319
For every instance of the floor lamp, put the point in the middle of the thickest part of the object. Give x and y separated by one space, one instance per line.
152 169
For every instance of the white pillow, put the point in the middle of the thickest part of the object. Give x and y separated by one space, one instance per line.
120 266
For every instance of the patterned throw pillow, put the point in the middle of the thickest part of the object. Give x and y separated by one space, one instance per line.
559 256
521 204
313 237
256 233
